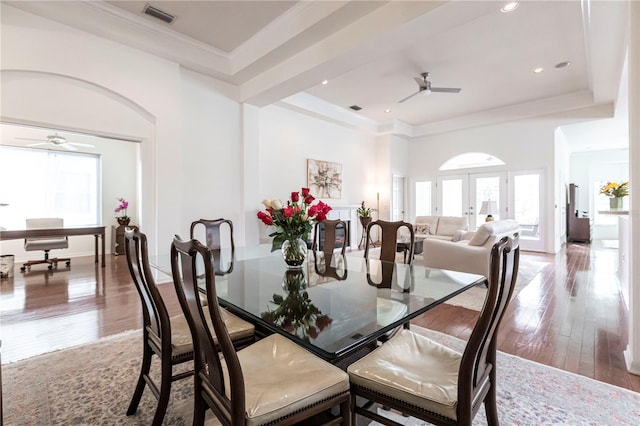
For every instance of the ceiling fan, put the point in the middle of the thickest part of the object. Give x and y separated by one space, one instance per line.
57 140
425 86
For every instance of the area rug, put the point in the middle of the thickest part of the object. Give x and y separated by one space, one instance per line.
474 298
92 385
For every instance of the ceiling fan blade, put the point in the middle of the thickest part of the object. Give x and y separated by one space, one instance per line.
68 147
446 89
421 83
36 144
80 144
409 97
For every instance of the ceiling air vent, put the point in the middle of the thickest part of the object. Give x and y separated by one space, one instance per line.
159 14
355 107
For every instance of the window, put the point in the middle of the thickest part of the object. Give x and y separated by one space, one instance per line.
43 183
471 160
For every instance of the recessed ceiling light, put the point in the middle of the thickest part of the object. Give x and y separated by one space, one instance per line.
387 110
510 7
563 64
325 82
538 70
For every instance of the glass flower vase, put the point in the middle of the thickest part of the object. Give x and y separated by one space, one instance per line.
294 251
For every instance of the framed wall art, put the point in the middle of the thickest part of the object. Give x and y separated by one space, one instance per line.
324 178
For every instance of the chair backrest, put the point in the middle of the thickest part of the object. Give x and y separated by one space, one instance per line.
390 239
45 222
329 242
207 360
39 243
154 311
331 265
479 357
213 240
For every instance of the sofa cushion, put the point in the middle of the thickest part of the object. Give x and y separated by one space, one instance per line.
422 228
494 228
432 221
481 236
449 225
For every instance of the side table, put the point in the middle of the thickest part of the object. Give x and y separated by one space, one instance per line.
364 221
117 238
403 246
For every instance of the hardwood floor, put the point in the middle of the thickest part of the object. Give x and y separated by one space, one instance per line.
570 316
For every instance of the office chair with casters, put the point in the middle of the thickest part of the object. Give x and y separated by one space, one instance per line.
273 381
166 337
389 244
431 382
45 243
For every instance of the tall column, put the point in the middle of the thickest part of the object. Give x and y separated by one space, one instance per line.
632 354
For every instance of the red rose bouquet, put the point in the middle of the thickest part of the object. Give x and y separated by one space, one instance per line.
295 219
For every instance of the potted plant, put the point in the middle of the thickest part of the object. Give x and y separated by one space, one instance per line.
616 192
364 213
123 219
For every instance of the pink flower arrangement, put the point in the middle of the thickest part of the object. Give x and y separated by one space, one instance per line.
295 219
122 207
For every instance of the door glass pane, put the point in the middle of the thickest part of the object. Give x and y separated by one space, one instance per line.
423 198
451 197
397 212
526 202
487 189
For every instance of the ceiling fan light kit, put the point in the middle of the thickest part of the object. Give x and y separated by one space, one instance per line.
424 87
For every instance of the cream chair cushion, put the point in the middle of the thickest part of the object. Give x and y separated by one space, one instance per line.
281 378
181 335
412 368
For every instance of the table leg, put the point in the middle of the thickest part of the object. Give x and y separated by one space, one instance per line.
103 261
95 250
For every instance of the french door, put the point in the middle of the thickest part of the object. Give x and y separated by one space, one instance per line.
517 196
464 195
398 198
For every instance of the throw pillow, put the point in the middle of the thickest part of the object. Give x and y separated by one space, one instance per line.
421 228
481 236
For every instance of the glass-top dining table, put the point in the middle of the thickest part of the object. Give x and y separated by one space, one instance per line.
335 306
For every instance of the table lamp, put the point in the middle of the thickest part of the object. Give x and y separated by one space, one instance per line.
489 208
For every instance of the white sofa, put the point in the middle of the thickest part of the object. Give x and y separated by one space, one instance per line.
448 228
472 253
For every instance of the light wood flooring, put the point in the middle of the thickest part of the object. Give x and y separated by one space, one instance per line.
570 316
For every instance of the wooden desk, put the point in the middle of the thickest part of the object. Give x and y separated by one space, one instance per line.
96 231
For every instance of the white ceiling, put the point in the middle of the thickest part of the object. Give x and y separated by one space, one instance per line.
280 51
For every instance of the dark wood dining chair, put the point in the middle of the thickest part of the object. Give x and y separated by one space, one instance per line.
213 240
330 238
273 381
426 380
389 241
169 338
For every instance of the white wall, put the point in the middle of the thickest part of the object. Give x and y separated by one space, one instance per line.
522 145
288 138
211 172
116 90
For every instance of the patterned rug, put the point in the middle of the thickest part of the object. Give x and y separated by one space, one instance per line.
92 385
